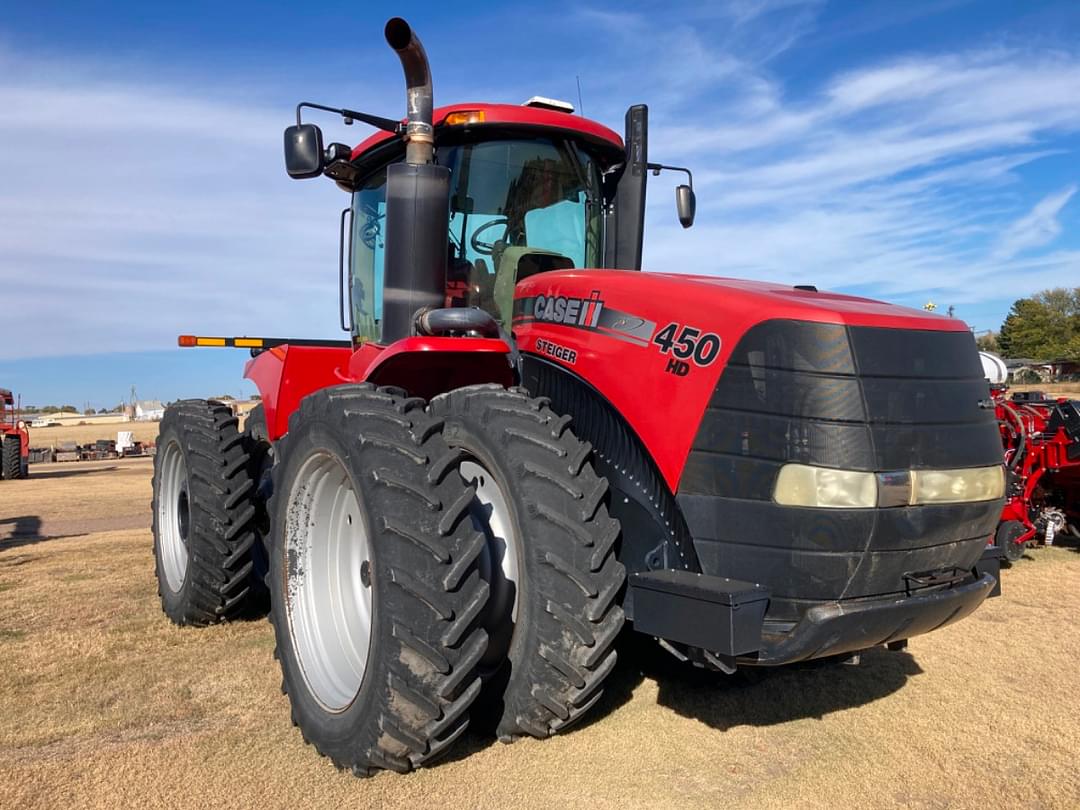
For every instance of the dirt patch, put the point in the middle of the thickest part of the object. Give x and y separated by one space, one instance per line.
103 703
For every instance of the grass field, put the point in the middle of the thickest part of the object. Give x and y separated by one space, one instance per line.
103 703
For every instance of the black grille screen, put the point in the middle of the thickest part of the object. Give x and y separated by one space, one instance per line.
857 398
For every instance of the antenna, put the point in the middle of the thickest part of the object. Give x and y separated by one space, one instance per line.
580 104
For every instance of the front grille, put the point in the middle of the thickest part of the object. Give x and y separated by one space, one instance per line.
856 398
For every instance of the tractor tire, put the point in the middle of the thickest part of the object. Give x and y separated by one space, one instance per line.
1004 539
203 514
12 457
260 451
375 586
550 561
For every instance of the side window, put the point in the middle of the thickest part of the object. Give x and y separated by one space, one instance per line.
367 259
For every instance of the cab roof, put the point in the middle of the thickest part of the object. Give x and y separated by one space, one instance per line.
512 115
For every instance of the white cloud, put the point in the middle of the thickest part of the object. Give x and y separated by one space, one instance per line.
1036 228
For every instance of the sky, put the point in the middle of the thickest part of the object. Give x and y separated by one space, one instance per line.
913 152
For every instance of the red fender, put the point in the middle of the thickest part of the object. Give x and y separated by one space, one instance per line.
423 366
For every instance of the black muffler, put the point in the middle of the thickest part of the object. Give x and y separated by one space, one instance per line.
417 201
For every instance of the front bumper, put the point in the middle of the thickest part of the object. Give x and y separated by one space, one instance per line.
728 617
846 627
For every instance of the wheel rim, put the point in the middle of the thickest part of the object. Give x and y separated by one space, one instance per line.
174 516
499 563
327 581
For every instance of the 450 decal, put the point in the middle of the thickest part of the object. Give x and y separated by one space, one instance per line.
686 343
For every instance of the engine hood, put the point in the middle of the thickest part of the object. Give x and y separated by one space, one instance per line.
654 345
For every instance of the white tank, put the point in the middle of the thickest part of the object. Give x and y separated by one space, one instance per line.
994 368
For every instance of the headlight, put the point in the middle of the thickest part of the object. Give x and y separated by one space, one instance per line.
957 486
804 485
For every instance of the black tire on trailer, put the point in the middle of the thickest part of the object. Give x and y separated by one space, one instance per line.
203 514
12 456
559 648
368 508
1005 538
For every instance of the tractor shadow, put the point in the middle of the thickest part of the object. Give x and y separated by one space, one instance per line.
26 530
69 472
763 696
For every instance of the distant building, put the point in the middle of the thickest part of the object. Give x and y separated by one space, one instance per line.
149 410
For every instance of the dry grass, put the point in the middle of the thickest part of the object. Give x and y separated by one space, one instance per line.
103 703
87 434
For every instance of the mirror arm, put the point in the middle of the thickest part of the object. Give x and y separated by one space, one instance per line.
349 116
656 168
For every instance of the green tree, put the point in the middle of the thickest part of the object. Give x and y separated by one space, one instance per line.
988 342
1045 326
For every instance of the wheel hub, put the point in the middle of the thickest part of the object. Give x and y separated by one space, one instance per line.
499 564
174 513
327 581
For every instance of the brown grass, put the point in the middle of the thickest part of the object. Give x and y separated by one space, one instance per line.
103 703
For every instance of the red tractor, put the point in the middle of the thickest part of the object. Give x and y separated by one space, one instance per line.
456 510
15 452
1041 437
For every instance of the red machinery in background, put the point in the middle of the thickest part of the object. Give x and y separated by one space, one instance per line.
1041 437
14 457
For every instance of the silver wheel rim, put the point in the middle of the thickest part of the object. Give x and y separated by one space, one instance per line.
499 564
174 516
327 581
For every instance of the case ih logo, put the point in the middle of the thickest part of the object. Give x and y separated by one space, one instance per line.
589 313
569 311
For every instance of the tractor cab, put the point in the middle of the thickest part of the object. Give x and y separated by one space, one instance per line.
530 189
526 196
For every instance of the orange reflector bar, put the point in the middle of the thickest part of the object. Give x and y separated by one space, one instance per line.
464 117
248 343
186 340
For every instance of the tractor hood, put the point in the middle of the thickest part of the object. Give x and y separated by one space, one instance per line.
656 345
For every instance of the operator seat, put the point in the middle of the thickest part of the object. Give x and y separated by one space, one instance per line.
520 262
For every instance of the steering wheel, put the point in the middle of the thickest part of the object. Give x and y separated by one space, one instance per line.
487 248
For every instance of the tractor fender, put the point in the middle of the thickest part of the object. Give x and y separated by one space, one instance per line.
422 366
654 533
428 366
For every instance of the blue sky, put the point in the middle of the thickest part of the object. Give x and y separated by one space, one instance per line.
906 151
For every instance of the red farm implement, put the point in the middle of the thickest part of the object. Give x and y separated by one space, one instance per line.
1041 437
15 451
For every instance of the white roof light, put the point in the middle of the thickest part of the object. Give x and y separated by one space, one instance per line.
550 104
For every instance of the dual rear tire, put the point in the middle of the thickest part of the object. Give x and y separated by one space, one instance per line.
426 564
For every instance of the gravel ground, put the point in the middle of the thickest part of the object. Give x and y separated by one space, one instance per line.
104 704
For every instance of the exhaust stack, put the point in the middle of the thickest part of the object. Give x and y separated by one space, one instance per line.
417 202
419 133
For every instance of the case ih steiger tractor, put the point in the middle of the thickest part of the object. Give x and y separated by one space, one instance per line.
15 436
457 510
1041 437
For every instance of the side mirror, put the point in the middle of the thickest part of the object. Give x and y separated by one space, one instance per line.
685 204
303 151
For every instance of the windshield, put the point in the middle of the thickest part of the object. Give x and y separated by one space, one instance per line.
517 207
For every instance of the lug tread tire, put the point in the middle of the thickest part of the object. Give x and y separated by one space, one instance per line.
12 457
427 642
221 533
568 613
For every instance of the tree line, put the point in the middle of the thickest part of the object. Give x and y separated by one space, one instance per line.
1045 326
